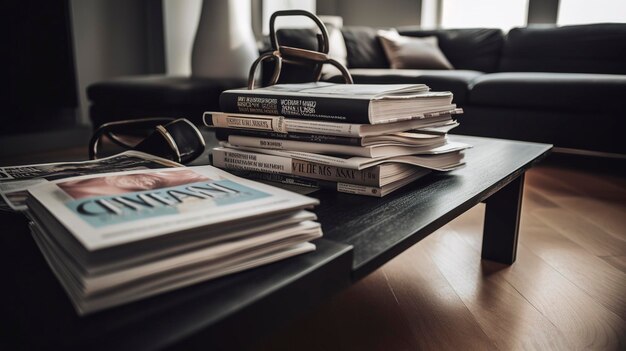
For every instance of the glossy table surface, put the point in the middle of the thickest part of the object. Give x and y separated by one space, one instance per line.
360 234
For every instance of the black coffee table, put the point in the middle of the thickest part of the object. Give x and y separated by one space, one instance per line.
360 235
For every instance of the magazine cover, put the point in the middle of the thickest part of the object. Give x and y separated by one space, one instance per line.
115 208
15 180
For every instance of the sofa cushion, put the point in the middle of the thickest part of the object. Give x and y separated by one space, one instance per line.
364 48
592 48
412 53
336 50
160 90
475 49
550 91
455 81
595 130
304 38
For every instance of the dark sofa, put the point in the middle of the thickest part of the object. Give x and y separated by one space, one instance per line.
156 96
558 85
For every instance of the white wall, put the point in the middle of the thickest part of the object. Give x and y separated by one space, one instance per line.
375 13
180 19
271 6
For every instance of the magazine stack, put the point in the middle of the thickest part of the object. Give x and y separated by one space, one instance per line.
354 138
112 238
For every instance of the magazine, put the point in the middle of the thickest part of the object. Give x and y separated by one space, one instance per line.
15 180
311 185
443 158
372 151
93 293
377 176
279 124
113 238
110 209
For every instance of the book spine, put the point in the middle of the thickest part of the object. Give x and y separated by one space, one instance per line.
292 145
241 160
222 134
359 189
248 161
280 178
331 109
311 183
252 122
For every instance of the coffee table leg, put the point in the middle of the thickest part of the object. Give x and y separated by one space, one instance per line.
502 215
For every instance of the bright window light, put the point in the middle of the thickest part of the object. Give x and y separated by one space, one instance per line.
484 14
585 11
271 6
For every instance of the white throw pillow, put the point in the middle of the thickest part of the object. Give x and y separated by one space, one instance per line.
337 50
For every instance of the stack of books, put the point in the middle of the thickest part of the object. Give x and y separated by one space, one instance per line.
360 139
117 237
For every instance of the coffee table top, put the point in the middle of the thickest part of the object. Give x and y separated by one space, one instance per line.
379 230
360 235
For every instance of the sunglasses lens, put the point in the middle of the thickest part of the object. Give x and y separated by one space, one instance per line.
188 139
159 143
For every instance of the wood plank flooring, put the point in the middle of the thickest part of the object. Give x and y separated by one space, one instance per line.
567 290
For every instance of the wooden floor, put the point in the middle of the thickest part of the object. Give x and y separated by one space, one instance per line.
567 290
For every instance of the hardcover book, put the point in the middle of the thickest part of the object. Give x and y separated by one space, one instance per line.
375 176
344 103
402 138
349 188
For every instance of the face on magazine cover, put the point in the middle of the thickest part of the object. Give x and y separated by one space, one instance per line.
125 183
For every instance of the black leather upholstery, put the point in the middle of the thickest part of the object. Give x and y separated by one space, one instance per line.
593 48
475 49
597 131
156 96
160 90
364 48
550 91
304 38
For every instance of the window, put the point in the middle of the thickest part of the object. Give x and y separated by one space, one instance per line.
271 6
484 13
585 11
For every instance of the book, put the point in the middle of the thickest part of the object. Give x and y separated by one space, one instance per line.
15 180
378 150
235 257
292 180
402 138
376 176
345 103
116 237
444 158
281 124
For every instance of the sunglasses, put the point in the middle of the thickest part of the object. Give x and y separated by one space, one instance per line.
174 139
